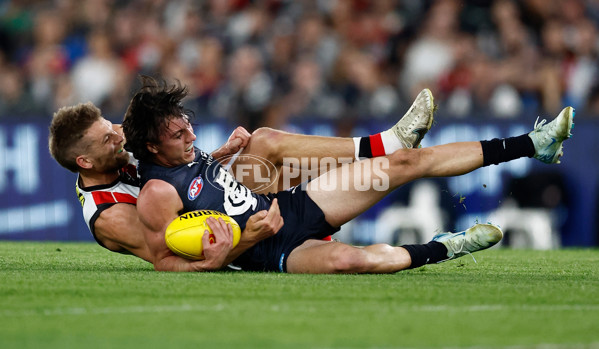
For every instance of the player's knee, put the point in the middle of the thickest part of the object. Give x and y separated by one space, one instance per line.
409 160
404 157
349 259
267 141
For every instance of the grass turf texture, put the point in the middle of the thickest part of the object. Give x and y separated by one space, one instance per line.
74 295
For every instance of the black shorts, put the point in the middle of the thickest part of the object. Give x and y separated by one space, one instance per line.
303 220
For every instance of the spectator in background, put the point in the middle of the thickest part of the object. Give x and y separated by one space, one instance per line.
281 53
208 74
583 74
552 62
47 60
246 95
469 77
366 93
430 55
249 26
108 74
126 35
515 72
14 97
309 95
316 40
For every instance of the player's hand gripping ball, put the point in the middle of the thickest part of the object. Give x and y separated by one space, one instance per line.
184 235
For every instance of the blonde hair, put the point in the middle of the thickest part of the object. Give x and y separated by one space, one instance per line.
67 129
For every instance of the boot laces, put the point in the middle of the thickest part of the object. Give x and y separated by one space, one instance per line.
458 247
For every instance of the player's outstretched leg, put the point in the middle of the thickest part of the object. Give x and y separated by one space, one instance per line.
476 238
315 256
275 146
548 138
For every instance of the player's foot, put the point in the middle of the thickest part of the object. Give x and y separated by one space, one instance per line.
548 138
476 238
416 122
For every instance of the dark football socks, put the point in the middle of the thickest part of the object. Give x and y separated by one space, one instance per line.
432 252
497 151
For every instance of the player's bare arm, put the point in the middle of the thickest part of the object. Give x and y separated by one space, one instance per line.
218 254
156 217
120 230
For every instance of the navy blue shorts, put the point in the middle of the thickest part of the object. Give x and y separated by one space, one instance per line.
303 220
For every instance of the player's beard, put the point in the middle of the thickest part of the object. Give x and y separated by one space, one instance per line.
122 161
116 163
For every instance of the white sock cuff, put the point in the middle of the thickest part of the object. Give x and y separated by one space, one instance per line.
357 148
390 142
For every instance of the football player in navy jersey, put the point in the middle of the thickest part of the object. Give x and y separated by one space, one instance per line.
160 135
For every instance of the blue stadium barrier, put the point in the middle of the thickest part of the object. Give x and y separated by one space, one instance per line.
38 200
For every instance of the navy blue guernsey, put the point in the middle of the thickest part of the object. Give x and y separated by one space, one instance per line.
204 185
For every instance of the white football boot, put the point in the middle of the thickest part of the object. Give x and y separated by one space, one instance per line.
476 238
416 122
548 138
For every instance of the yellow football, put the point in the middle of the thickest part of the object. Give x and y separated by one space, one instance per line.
184 234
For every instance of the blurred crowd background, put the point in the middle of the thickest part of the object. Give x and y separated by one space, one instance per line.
264 62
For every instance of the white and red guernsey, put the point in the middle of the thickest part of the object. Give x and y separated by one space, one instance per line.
97 198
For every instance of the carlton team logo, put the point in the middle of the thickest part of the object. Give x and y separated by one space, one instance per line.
195 188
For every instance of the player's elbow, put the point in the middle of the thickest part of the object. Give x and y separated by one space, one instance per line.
112 246
166 267
161 267
170 265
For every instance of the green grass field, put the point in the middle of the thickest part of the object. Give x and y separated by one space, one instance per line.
67 295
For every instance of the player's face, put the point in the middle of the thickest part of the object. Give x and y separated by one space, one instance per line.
105 147
176 143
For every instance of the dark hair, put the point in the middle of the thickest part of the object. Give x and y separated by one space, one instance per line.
152 106
67 129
